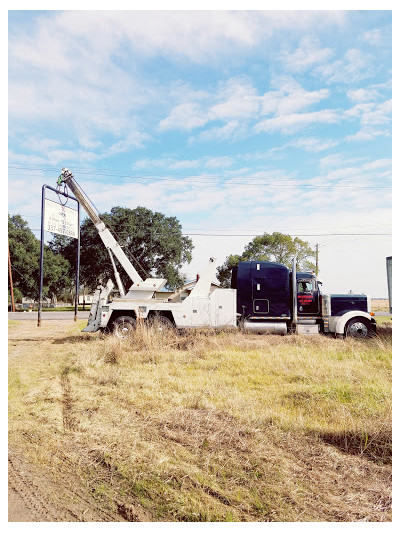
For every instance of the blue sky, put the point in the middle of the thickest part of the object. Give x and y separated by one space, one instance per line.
236 122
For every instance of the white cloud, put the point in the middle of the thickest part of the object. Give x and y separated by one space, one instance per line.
134 139
288 124
340 160
371 115
354 67
59 157
232 130
380 114
26 159
219 162
238 100
290 97
186 116
185 164
196 35
362 95
238 103
37 143
308 54
375 37
367 134
377 163
313 144
64 47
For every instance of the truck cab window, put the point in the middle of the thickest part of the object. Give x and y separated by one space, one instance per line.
305 286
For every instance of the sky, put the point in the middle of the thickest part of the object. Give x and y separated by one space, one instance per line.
238 123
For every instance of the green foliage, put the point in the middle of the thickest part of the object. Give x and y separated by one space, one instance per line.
25 262
224 272
277 247
17 295
153 242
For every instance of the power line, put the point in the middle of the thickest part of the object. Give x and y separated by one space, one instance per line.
234 183
282 231
143 174
252 234
229 180
291 235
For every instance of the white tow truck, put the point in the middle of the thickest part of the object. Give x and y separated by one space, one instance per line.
201 308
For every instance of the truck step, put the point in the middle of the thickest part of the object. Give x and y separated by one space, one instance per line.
307 329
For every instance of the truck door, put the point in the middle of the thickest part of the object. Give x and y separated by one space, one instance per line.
307 296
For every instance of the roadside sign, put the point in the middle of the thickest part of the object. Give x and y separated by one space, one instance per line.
60 219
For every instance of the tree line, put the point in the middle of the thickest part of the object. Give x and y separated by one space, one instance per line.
152 241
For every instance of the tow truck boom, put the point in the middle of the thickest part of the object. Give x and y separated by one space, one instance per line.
110 243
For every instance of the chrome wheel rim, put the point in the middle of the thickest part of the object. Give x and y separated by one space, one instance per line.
358 330
123 330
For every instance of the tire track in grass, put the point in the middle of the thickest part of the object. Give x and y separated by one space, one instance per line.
28 492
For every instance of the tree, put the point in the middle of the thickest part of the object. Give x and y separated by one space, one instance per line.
224 272
277 247
153 242
25 262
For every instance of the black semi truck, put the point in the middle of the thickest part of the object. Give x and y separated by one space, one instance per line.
272 298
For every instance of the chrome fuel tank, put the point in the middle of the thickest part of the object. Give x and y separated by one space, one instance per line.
279 328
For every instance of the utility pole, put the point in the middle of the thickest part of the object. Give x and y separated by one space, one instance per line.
316 260
11 281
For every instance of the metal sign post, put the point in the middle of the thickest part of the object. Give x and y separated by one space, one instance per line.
58 218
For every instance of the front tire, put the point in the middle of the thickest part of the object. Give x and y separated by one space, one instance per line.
358 328
123 326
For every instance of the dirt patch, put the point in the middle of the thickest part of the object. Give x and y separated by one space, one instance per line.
36 497
27 502
69 420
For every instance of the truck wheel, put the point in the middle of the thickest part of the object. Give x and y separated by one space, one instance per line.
161 323
358 328
123 326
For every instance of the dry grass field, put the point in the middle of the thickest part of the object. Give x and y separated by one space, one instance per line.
380 304
203 426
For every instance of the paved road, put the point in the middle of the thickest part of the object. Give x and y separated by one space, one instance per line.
48 315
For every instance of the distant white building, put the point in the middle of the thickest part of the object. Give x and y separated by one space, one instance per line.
29 302
85 298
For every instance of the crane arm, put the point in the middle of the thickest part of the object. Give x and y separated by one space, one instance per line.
106 236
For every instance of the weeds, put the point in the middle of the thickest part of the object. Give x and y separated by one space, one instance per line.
211 426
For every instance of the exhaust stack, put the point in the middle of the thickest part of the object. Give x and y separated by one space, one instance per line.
294 292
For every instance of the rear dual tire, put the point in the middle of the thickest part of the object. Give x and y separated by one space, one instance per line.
123 326
161 323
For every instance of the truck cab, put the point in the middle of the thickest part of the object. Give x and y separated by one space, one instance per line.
271 298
